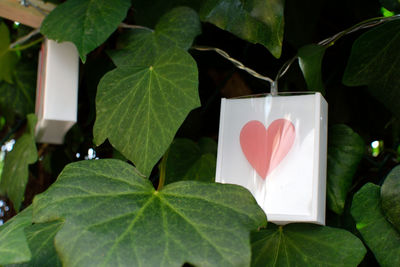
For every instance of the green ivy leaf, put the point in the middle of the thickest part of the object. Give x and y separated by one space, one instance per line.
345 151
176 28
181 25
305 245
374 62
8 59
390 194
187 161
310 61
140 107
379 235
116 217
257 21
86 23
19 98
15 171
13 244
40 239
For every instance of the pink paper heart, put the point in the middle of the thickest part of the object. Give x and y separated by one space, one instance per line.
266 148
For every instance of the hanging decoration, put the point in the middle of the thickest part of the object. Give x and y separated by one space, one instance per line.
276 147
57 91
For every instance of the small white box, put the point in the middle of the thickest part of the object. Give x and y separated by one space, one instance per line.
276 147
57 91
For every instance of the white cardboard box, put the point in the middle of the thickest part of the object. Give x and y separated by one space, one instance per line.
57 91
276 147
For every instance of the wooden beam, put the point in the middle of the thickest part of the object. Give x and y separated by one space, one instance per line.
30 16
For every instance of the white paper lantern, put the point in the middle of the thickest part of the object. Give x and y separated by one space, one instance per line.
57 91
276 147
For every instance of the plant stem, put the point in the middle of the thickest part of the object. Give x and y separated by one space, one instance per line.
163 167
23 47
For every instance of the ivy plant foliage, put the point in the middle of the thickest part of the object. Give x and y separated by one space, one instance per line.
378 233
257 21
305 245
8 59
86 23
141 104
390 194
187 160
19 98
117 218
13 243
345 151
371 63
27 244
310 61
15 171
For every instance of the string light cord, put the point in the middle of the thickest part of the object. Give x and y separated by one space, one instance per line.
331 41
235 62
24 38
359 26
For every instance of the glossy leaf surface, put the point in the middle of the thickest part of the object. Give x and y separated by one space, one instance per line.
310 61
373 62
305 245
379 235
345 151
8 59
188 160
257 21
13 244
126 222
390 194
86 23
15 171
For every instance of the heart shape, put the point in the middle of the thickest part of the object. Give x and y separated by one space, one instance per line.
266 148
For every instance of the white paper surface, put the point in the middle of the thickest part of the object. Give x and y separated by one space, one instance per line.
291 190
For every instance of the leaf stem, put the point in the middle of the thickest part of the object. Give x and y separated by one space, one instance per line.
163 168
23 47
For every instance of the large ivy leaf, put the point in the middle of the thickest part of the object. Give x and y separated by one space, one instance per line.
390 194
176 28
375 61
8 59
151 92
40 238
15 171
187 160
86 23
140 107
310 61
305 245
181 25
257 21
117 218
13 244
379 235
345 151
19 98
